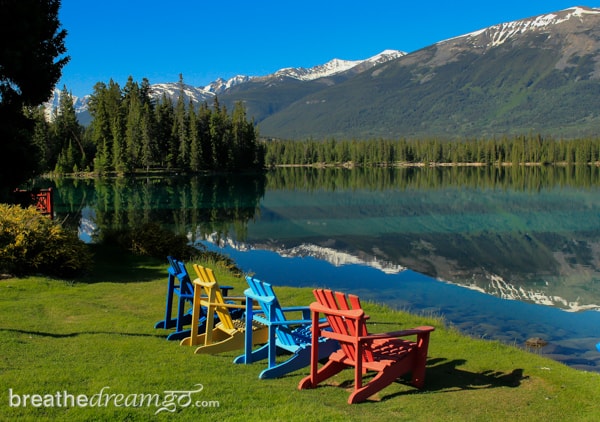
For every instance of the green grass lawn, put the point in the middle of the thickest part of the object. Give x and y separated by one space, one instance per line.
95 338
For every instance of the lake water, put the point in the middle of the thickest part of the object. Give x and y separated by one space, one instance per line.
505 254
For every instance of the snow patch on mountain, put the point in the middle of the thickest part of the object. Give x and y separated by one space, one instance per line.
206 93
500 33
51 106
173 90
336 66
328 69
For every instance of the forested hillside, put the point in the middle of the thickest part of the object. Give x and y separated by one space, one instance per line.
517 150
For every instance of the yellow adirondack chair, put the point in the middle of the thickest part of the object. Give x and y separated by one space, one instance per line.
228 334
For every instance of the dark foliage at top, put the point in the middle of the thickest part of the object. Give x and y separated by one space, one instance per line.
30 43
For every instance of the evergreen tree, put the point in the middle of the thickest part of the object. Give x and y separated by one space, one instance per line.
41 136
133 125
147 147
164 131
204 139
218 136
194 134
181 148
31 60
244 154
100 132
145 91
67 135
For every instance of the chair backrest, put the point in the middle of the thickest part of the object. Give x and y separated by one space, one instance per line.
214 298
271 308
347 325
177 269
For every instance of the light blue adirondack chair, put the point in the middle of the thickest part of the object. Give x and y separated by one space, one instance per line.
292 336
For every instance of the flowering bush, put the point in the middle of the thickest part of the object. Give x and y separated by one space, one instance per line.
31 243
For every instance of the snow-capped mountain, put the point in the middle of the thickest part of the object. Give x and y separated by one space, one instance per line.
499 34
336 66
220 86
172 90
539 74
534 75
330 68
51 106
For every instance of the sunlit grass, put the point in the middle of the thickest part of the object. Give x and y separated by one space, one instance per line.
91 334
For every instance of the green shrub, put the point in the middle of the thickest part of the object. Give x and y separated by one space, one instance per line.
31 243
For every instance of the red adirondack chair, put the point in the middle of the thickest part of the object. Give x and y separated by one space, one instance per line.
384 353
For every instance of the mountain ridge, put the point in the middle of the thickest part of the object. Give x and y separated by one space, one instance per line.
220 85
540 79
538 74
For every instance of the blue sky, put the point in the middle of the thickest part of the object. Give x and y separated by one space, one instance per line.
204 40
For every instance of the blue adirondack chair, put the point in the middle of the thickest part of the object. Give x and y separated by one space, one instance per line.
180 285
292 336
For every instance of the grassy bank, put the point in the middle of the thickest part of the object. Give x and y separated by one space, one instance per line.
96 335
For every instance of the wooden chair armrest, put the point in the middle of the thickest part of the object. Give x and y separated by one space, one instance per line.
305 310
264 299
235 298
295 308
286 322
396 334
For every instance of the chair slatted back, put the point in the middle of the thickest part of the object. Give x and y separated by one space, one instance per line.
178 270
272 309
214 298
348 326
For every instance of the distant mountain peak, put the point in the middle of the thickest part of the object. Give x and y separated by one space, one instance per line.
335 66
500 33
51 107
173 89
221 85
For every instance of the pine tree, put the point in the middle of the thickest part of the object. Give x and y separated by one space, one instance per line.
180 129
195 146
66 134
164 135
133 123
147 146
41 136
32 56
204 139
244 139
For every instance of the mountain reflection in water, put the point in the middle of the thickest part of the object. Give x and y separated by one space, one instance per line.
524 242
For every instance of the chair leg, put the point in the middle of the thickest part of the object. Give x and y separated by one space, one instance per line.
256 355
220 345
328 370
179 335
418 371
168 322
299 360
379 382
193 339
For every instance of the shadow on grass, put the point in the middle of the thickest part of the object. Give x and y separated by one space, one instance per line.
445 375
68 335
116 265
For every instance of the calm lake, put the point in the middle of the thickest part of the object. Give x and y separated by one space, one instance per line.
500 253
